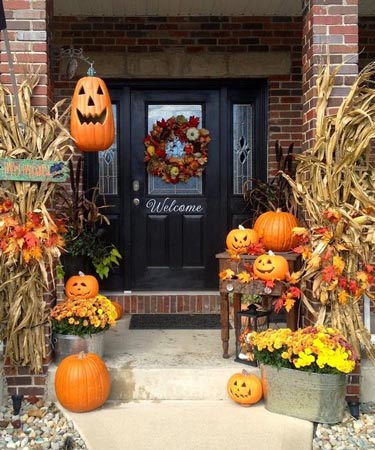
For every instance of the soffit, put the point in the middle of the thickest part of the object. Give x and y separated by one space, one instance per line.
123 8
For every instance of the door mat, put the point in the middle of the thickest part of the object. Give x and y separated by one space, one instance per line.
175 322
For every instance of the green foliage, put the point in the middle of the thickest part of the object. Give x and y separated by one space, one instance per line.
104 264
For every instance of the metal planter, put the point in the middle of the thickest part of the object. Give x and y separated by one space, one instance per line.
68 344
309 396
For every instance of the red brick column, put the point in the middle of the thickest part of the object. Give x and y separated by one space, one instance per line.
330 34
27 29
330 30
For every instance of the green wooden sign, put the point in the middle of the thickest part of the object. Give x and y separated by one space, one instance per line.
12 169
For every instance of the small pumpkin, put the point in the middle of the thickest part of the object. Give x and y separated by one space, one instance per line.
269 267
239 239
119 309
91 120
82 286
245 388
275 230
82 382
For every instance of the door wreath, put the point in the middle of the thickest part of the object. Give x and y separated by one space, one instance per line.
176 149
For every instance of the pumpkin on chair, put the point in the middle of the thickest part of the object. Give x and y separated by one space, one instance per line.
91 120
275 230
239 239
270 267
82 286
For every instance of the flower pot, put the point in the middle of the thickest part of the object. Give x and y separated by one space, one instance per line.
309 396
69 344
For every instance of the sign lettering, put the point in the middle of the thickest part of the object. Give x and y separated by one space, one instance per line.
168 205
33 170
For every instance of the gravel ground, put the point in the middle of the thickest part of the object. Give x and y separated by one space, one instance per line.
350 434
39 425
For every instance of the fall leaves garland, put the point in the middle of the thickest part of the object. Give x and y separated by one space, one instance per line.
176 149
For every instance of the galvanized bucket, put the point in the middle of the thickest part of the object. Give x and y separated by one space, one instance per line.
309 396
68 344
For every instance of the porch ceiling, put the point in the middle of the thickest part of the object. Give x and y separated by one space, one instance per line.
122 8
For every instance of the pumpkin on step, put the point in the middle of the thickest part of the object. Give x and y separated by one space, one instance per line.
82 382
239 239
245 388
81 286
91 119
275 230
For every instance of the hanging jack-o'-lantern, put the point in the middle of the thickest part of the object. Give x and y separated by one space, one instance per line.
239 239
269 267
91 120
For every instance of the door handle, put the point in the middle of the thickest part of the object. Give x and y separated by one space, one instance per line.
135 185
136 201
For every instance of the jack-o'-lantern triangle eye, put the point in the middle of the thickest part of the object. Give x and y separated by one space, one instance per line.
81 91
100 92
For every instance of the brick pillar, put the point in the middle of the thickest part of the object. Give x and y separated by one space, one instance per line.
330 29
330 34
27 27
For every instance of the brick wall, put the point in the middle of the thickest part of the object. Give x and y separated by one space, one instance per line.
200 35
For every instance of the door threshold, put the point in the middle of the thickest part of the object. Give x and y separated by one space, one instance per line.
213 292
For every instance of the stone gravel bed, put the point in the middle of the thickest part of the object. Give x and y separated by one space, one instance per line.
350 434
39 425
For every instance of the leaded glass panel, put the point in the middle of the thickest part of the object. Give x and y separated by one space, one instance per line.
242 145
108 165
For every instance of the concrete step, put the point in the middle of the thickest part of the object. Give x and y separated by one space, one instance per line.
165 364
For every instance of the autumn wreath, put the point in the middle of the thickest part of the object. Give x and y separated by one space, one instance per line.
176 149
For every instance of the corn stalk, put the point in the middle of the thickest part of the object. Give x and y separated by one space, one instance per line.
337 175
23 314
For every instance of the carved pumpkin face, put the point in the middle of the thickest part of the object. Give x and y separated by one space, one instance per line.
270 267
81 286
244 388
239 239
91 120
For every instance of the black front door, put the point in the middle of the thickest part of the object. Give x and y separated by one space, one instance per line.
169 233
176 228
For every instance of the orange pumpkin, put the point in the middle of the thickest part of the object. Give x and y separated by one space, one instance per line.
91 120
239 239
269 267
119 309
245 388
82 286
82 382
275 230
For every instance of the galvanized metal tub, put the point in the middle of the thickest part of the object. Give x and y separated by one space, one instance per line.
309 396
68 344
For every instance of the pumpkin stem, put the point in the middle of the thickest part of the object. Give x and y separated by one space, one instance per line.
91 71
245 372
81 355
241 227
81 274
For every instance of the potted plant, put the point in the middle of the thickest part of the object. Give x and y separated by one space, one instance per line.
87 247
304 371
78 324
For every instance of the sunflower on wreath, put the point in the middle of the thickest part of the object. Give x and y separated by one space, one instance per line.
176 149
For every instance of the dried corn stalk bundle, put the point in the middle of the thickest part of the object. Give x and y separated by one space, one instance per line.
335 186
30 240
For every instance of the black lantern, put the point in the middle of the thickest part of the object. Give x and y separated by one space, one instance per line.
251 319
